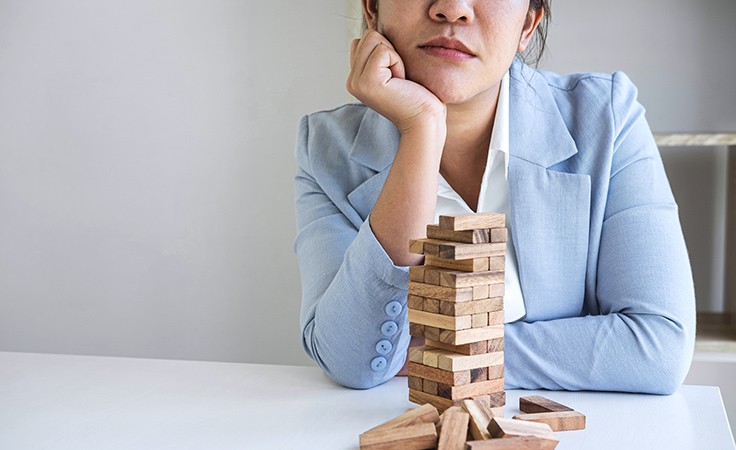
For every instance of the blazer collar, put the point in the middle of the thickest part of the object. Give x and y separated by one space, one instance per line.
537 132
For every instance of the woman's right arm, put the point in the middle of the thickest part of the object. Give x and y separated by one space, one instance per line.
354 279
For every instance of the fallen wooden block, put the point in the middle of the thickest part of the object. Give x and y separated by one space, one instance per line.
424 414
480 417
460 222
558 420
505 428
454 429
539 404
514 443
416 437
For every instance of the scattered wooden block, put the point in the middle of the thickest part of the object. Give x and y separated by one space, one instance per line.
558 420
472 307
490 387
471 335
478 236
539 404
424 414
473 348
416 437
480 417
466 265
440 376
457 279
440 292
439 320
454 429
504 428
515 443
460 222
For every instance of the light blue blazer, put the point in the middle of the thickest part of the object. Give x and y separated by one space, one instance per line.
602 261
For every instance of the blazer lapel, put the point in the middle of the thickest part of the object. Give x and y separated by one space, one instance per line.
549 209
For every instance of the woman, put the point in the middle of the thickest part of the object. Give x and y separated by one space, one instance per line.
598 279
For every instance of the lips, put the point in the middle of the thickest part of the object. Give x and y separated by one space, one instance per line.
445 45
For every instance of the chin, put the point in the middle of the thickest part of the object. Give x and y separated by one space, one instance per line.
448 92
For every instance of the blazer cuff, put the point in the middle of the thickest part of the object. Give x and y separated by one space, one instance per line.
368 252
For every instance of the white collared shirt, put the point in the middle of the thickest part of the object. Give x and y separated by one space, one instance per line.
494 197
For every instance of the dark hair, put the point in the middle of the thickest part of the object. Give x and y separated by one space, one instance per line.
534 52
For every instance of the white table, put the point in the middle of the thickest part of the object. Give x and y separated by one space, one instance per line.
84 402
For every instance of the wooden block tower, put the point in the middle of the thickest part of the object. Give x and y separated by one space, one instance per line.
456 304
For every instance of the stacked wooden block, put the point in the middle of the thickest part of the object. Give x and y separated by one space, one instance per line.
456 304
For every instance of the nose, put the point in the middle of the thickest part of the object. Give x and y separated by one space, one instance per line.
452 11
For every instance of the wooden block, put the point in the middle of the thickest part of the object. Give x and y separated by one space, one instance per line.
496 402
460 222
424 414
466 265
495 318
440 292
497 290
504 428
416 246
480 417
495 372
473 348
417 437
479 374
457 279
439 320
498 234
415 303
454 429
470 390
472 307
558 420
430 387
416 329
430 356
440 376
438 402
479 236
515 443
432 275
538 404
495 345
480 320
471 335
455 362
497 263
415 383
431 305
432 333
416 354
481 292
457 250
416 273
497 412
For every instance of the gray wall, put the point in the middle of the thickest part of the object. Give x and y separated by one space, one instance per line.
146 158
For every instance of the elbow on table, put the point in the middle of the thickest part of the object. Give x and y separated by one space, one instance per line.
670 364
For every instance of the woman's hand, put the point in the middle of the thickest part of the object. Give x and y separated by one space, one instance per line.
377 78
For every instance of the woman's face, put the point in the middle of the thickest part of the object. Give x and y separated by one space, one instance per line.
458 49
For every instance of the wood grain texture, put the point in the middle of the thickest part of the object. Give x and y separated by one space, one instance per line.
431 305
515 443
499 235
504 428
466 265
424 414
496 318
538 404
472 307
496 263
440 403
416 329
439 320
479 236
455 362
440 376
460 222
416 273
471 390
416 303
440 292
457 250
454 429
471 335
558 421
415 437
473 348
480 417
458 279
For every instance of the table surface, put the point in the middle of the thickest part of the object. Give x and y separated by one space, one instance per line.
89 402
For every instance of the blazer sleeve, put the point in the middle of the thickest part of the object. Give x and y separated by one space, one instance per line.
643 338
353 311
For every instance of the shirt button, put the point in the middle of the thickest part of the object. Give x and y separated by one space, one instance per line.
378 363
389 328
384 347
393 309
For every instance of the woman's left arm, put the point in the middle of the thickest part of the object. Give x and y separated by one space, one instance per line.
643 339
